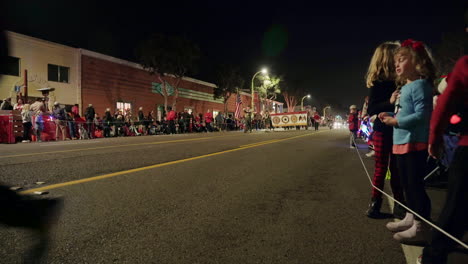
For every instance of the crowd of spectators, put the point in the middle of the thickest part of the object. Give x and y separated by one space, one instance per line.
70 125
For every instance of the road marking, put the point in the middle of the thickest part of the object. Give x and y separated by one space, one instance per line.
108 147
257 143
105 176
69 143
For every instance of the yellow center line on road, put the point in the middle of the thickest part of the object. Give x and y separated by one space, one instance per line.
105 176
114 146
259 143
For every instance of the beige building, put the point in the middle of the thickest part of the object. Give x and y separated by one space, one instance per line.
48 65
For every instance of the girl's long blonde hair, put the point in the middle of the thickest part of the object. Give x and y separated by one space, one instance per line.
26 107
382 65
422 60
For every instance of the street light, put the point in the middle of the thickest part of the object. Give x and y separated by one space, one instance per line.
302 101
263 71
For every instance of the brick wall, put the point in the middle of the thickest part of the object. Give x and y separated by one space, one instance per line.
104 83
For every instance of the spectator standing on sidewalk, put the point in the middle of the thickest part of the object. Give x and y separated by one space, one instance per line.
18 105
76 110
27 124
208 120
141 121
108 121
171 117
454 215
6 104
380 80
71 125
219 119
416 72
60 121
352 125
89 115
37 109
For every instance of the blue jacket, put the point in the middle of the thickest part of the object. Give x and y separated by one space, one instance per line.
414 114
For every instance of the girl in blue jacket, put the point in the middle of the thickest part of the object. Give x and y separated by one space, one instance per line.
413 107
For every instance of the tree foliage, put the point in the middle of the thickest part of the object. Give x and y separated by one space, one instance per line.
229 81
292 90
164 55
268 90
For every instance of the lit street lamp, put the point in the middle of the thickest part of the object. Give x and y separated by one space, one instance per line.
263 71
302 101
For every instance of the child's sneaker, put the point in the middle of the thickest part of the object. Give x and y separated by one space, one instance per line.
370 154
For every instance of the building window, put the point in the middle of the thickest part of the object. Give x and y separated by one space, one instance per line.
122 106
58 73
11 66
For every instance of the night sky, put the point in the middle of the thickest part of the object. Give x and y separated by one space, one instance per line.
322 48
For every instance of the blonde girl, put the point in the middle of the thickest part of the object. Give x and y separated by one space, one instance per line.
380 80
416 72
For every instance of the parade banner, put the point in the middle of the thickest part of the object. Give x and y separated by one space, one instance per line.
289 119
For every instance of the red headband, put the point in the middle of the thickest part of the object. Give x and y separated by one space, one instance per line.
415 45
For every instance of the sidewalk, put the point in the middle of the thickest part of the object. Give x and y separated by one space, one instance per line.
437 197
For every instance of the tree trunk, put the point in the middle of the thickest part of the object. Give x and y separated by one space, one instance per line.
163 91
225 106
176 92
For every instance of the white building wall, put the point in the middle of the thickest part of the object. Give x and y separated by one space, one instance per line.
35 54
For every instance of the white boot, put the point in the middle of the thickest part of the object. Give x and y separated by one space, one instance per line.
402 225
419 233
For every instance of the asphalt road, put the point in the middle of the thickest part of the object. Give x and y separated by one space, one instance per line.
278 197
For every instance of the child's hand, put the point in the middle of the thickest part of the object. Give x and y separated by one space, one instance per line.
382 115
435 150
390 121
394 97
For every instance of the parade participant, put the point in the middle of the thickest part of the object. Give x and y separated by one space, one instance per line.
415 70
247 119
380 79
18 105
316 120
268 123
60 121
454 216
352 125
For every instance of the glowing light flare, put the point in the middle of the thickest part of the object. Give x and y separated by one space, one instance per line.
455 119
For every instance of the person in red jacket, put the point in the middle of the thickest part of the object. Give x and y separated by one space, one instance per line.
208 120
352 125
316 120
171 116
452 107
